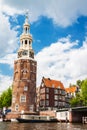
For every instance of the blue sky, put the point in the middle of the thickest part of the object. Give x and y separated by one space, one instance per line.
59 38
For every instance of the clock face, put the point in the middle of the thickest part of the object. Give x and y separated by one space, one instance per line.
19 54
25 52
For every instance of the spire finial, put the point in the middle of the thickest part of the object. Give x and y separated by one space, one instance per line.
27 16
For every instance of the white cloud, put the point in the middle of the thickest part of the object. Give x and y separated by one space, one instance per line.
5 82
8 59
61 61
8 36
58 61
63 12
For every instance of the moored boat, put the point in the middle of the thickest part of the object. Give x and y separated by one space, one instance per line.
1 119
36 119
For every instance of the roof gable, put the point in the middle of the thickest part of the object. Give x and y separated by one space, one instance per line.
52 83
71 89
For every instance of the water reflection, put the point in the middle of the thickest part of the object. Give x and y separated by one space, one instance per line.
41 126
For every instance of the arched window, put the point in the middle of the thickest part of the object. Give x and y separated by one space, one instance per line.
25 42
29 42
22 43
26 30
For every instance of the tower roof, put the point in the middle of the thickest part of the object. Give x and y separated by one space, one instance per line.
26 20
26 51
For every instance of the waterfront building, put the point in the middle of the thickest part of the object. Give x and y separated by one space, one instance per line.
24 81
38 98
70 93
52 94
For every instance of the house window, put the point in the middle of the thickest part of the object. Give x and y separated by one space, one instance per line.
25 88
47 96
60 97
58 87
42 103
31 107
52 85
63 92
56 91
55 97
59 91
47 103
23 98
16 107
42 90
42 84
47 90
59 104
55 103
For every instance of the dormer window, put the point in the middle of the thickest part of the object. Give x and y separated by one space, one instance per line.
58 87
52 85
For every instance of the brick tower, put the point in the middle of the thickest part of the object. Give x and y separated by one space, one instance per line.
24 81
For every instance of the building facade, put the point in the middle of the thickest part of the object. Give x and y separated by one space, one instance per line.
24 81
71 93
52 95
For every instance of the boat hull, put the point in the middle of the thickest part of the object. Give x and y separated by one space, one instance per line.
35 121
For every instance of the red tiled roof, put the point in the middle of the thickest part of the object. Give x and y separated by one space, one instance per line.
71 89
52 83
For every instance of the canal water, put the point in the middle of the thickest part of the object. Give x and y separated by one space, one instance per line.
41 126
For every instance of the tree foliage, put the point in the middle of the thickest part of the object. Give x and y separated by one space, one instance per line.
81 97
5 98
84 91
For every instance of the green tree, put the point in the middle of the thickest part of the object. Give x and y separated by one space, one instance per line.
76 101
79 82
84 91
5 98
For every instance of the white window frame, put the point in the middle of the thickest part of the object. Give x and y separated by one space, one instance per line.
56 97
25 88
16 107
47 96
47 102
59 91
56 91
22 98
55 103
47 90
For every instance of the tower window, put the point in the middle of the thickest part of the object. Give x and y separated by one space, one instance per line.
26 42
29 42
23 98
25 88
26 30
16 107
22 43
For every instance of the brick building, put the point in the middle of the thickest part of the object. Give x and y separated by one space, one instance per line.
24 81
38 98
70 93
52 94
